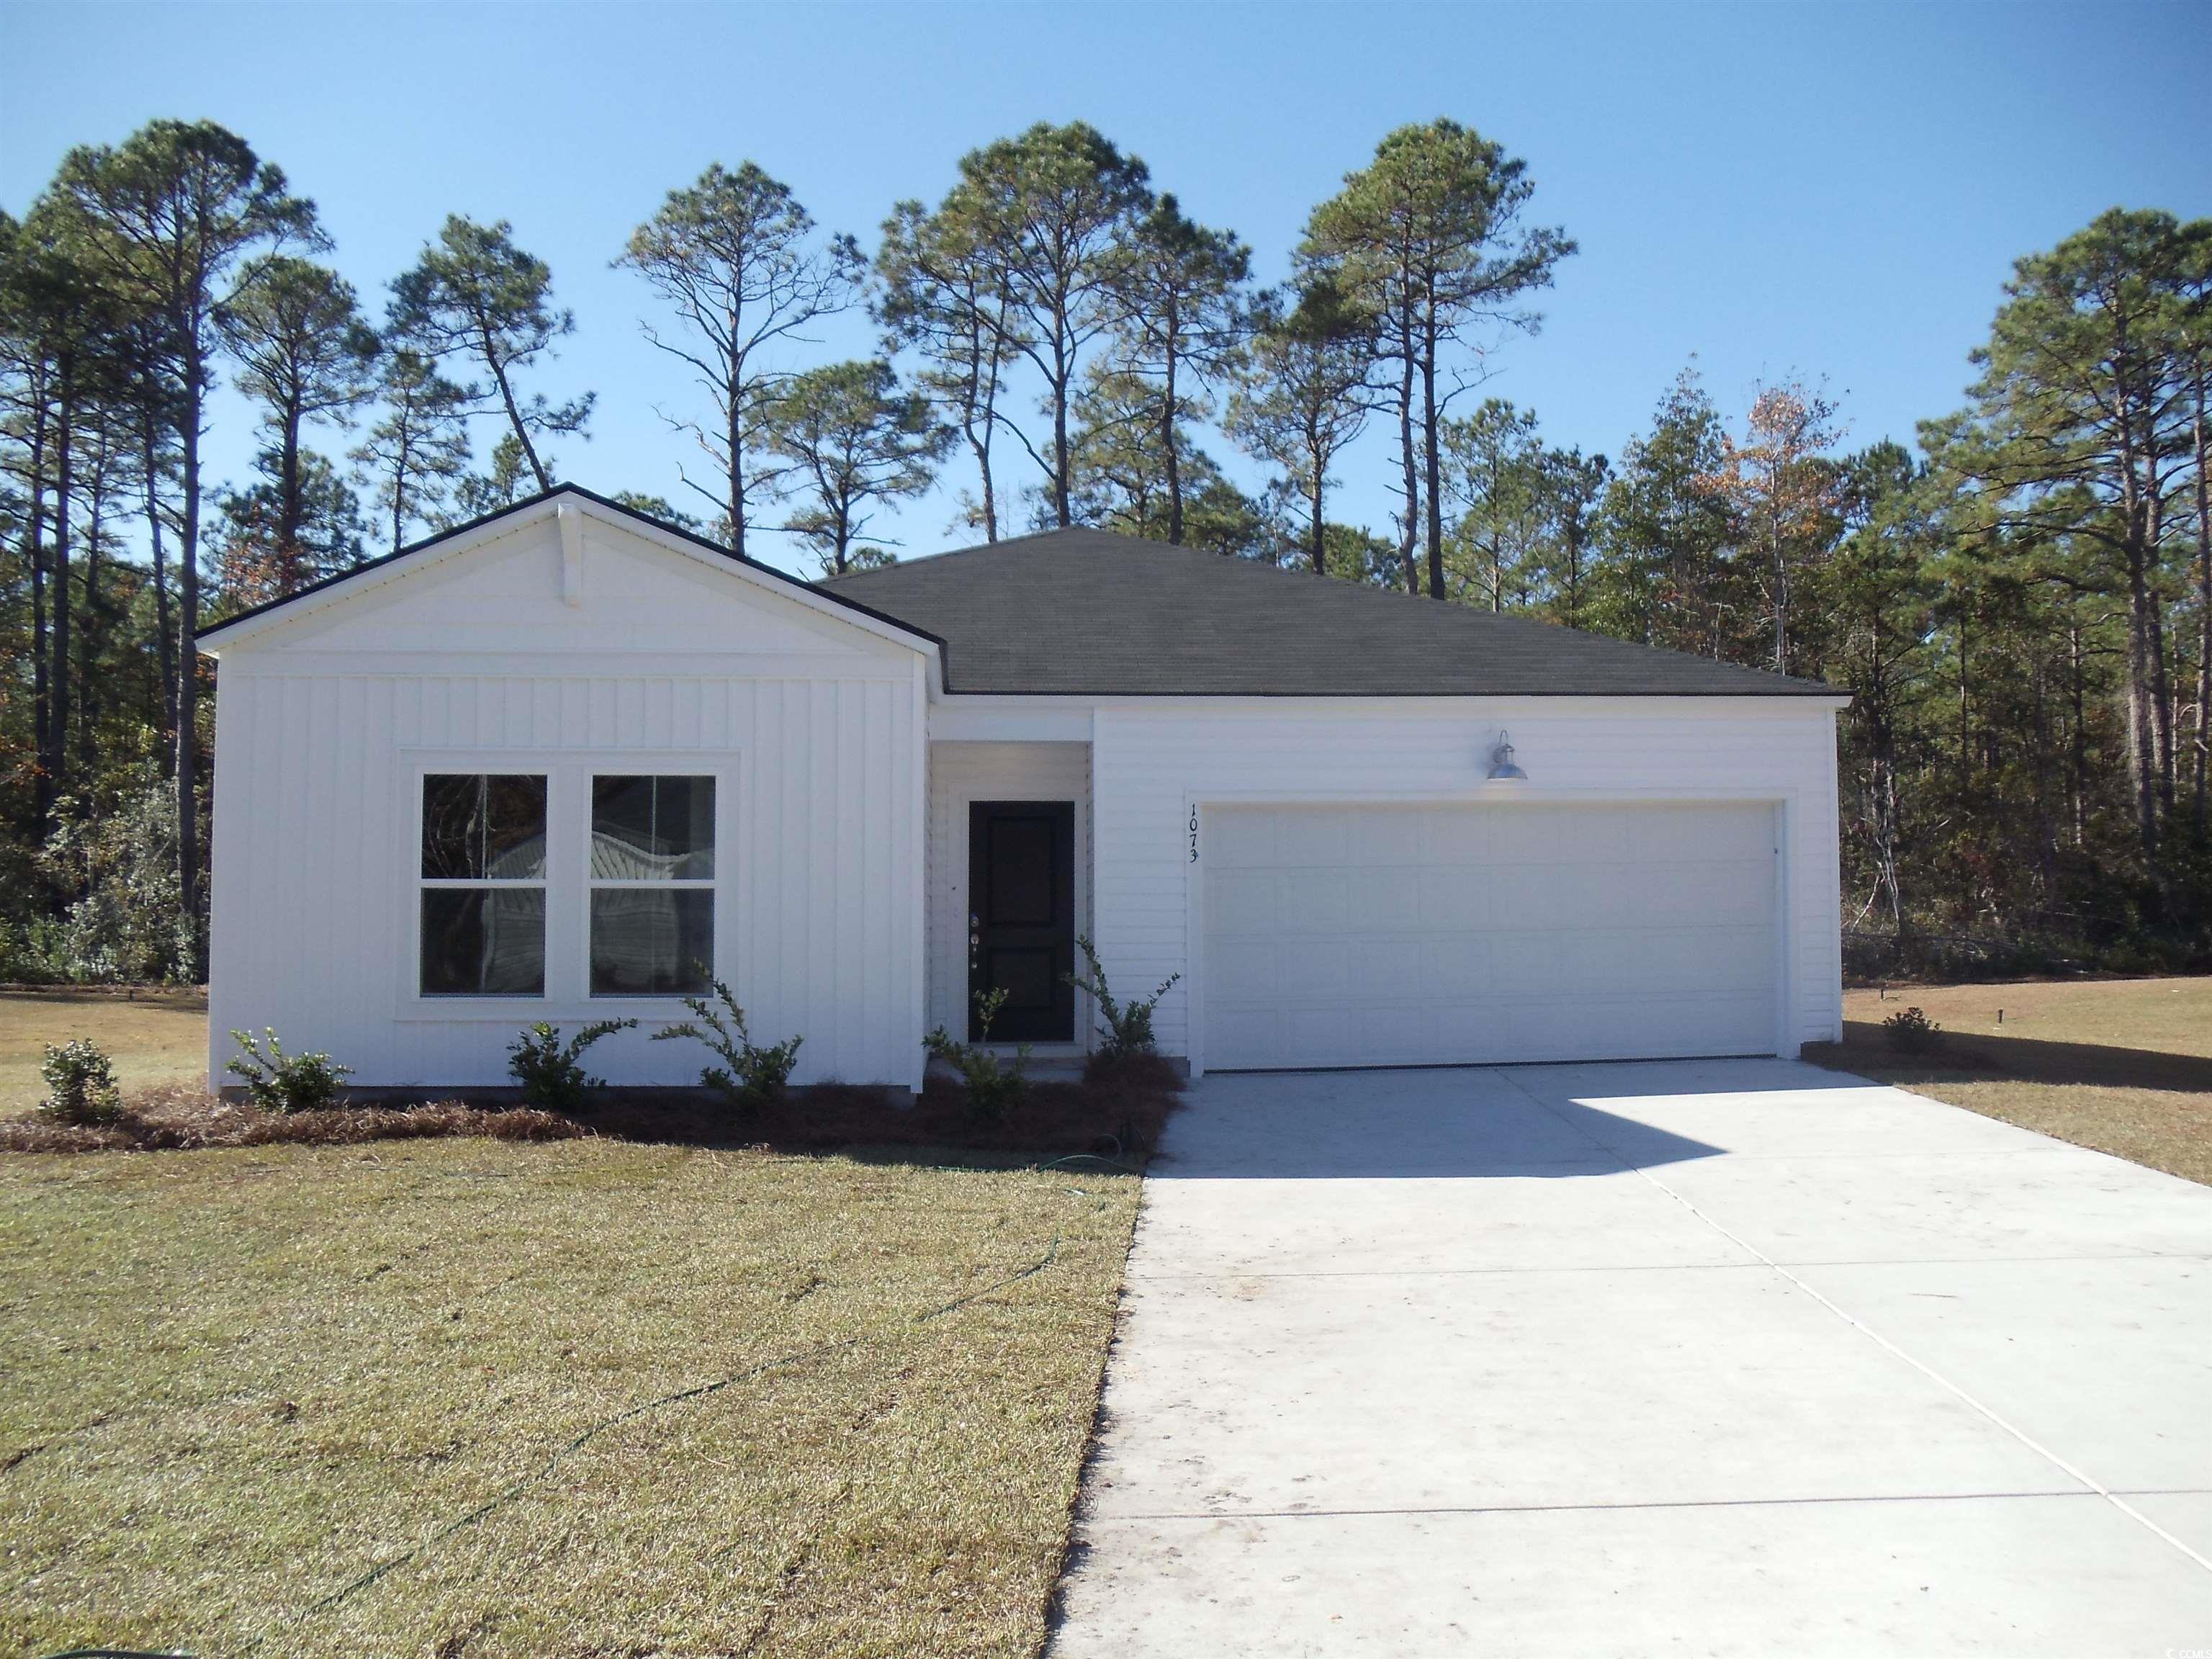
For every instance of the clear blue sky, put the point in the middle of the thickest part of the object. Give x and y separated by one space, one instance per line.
1838 191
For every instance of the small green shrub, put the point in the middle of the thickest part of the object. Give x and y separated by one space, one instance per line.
279 1082
1911 1031
1128 1025
994 1085
750 1077
79 1085
548 1068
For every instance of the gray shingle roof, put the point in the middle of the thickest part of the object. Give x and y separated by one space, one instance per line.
1088 612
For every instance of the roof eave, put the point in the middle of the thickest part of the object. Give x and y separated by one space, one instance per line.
418 555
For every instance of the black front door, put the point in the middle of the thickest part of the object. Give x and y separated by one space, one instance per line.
1021 917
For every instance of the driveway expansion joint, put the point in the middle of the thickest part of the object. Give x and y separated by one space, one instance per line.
1654 1503
1857 1324
1440 1319
1763 1265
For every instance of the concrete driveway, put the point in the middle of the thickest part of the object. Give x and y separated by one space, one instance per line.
1700 1356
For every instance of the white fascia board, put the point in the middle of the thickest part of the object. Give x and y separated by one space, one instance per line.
361 583
561 505
1651 707
1008 718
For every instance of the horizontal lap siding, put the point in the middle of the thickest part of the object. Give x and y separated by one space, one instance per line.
817 919
1149 765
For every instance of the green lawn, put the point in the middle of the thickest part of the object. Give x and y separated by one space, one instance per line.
465 1399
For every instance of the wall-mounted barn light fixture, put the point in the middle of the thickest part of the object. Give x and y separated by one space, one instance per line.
1501 760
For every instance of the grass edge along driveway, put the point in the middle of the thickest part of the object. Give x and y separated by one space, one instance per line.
401 1398
2122 1066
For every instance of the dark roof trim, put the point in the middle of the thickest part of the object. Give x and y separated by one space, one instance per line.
539 500
1842 697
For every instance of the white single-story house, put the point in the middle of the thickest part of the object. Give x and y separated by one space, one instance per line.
545 766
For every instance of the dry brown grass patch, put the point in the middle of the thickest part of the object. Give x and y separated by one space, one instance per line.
179 1118
154 1034
2122 1066
584 1398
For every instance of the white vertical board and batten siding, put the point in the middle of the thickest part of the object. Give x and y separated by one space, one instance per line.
1151 763
816 730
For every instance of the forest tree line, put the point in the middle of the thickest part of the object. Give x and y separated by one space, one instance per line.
2019 605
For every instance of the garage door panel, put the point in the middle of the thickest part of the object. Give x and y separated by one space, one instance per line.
1532 964
1732 837
1519 902
1458 902
1242 841
1589 966
1301 1035
1462 968
1555 899
1242 902
1314 900
1385 969
1388 838
1315 968
1714 895
1313 1034
1245 970
1247 1036
1602 838
1698 1024
1316 838
1387 1027
1455 933
1727 960
1452 838
1530 836
1386 900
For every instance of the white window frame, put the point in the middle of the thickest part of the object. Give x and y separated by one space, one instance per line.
540 883
675 884
568 773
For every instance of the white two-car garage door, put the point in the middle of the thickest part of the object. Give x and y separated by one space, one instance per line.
1447 934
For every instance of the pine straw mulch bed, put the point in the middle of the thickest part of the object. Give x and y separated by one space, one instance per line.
1116 1112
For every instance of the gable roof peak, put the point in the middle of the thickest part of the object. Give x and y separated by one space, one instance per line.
402 561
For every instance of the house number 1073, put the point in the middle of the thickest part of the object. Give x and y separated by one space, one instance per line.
1194 835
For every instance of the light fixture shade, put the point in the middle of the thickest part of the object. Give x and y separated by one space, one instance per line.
1501 760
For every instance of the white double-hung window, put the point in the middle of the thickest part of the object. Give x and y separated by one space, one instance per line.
482 884
652 885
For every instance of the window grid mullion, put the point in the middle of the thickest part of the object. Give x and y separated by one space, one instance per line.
476 847
596 883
